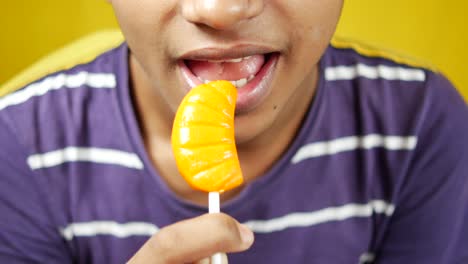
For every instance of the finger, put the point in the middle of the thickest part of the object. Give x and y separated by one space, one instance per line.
195 239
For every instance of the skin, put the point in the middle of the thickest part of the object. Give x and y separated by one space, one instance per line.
194 240
161 33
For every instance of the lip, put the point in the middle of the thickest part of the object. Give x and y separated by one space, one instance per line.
254 92
226 53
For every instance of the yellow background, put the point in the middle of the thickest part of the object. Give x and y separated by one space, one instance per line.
432 30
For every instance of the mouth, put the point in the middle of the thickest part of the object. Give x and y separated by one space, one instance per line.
250 69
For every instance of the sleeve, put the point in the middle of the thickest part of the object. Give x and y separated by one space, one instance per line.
430 222
27 233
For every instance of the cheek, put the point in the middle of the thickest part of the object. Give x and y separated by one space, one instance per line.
311 31
140 20
316 20
145 27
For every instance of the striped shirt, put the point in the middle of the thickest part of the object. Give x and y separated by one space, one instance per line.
378 172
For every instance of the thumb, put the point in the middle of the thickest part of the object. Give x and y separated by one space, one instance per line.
194 239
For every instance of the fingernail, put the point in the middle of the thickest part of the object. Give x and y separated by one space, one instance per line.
204 261
246 234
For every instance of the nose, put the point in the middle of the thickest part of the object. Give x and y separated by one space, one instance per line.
220 14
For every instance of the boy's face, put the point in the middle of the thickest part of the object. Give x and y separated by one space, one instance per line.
177 44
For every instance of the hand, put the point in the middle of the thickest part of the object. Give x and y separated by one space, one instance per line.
195 240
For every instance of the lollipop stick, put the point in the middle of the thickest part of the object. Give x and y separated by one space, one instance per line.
213 202
213 207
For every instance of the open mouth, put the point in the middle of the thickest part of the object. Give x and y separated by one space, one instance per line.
252 75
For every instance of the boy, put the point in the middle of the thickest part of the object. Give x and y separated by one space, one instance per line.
347 157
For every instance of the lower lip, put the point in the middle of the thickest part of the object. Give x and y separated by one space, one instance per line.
250 95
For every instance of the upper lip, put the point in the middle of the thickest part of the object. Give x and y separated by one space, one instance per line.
226 53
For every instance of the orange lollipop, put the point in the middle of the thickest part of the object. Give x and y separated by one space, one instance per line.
203 138
203 142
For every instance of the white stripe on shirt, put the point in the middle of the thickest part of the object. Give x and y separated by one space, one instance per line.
88 229
76 154
330 214
351 72
92 80
303 219
351 143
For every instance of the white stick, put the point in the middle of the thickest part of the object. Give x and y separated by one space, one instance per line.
213 207
213 202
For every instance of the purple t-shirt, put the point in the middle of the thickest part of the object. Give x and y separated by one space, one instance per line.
378 172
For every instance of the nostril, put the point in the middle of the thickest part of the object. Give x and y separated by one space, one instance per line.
255 8
220 14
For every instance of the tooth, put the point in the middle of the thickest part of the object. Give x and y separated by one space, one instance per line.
233 83
235 60
240 83
250 78
207 81
215 61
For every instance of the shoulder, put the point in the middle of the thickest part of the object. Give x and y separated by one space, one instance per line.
388 87
388 94
81 52
351 50
48 102
371 99
347 61
379 69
